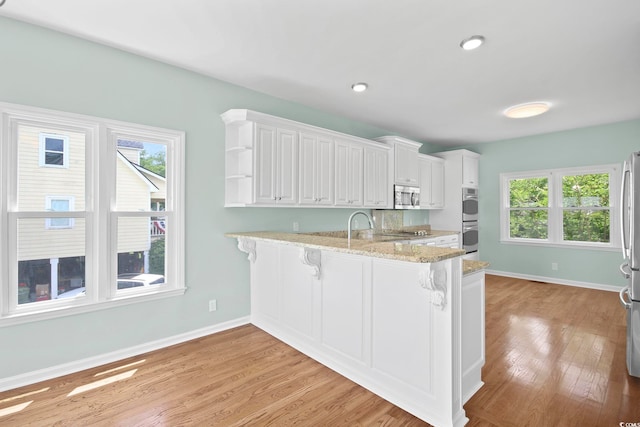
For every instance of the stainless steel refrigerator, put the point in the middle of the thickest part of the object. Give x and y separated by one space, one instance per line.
630 268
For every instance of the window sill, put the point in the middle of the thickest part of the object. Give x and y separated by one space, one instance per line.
565 245
56 312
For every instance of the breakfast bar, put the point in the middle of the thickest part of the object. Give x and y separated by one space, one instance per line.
404 321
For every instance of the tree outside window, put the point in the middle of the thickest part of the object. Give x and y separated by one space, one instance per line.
529 202
569 206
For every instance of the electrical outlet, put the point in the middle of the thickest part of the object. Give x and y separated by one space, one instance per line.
296 226
213 305
554 266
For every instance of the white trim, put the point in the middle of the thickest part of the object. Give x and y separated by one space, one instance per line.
33 377
71 207
555 209
71 306
101 239
42 138
555 281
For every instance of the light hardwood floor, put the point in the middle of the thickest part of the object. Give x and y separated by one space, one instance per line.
555 357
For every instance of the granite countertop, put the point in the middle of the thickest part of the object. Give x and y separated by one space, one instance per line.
376 245
471 266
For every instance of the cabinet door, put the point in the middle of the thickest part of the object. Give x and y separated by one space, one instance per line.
266 164
342 173
356 175
425 183
406 165
325 174
437 185
287 167
308 172
376 178
469 171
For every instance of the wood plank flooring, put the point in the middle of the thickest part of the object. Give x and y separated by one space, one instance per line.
555 357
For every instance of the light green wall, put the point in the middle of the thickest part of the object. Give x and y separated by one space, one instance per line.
46 69
595 145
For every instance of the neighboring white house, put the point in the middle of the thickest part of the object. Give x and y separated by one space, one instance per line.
51 176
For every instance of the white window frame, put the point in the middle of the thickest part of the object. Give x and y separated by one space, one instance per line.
100 214
48 202
555 235
43 150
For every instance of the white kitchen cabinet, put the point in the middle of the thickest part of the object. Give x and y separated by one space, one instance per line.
460 170
317 175
376 178
473 332
431 182
394 327
276 178
406 164
271 161
349 174
404 159
446 241
469 170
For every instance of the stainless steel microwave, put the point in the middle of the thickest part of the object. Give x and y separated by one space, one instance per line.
406 197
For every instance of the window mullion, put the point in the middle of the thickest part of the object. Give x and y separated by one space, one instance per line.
555 207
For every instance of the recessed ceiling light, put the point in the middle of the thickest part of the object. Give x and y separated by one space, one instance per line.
359 87
472 42
529 109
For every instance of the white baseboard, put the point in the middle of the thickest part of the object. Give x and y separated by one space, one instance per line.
555 280
21 380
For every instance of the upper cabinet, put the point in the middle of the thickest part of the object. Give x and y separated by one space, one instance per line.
376 178
470 170
276 152
317 171
431 182
462 168
405 159
270 161
349 174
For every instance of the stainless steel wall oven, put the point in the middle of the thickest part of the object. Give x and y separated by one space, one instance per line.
470 236
470 219
469 204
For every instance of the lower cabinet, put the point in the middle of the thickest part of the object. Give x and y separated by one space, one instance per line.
397 328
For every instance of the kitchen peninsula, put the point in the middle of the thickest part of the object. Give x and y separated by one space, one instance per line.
404 321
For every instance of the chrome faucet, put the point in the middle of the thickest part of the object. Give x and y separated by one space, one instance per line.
349 223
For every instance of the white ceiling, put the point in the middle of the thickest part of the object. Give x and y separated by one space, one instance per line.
583 56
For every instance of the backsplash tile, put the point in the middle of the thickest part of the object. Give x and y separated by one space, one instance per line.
387 219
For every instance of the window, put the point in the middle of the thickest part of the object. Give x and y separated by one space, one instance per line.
59 204
54 150
80 233
572 207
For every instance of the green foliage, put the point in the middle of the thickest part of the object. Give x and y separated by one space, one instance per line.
531 196
585 203
529 193
586 191
156 256
156 163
